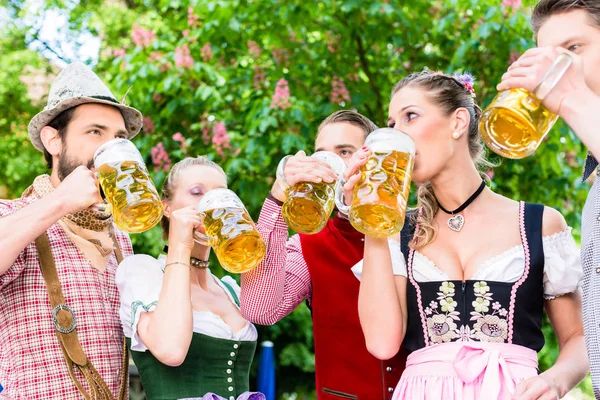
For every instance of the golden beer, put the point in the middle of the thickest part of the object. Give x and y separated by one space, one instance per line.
131 195
238 246
381 194
230 231
309 205
515 124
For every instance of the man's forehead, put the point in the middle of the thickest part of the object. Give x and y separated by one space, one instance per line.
559 29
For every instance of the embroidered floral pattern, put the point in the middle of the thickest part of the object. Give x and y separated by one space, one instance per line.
441 327
488 327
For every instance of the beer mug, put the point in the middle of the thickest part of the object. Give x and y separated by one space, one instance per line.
230 231
516 122
131 195
380 196
309 205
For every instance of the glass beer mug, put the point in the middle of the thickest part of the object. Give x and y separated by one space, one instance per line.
380 196
230 231
131 195
516 122
309 205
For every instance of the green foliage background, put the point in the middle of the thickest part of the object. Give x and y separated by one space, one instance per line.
369 45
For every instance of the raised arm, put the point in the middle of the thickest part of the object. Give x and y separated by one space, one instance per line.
381 301
571 98
78 191
282 281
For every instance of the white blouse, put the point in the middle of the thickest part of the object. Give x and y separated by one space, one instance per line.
562 265
139 280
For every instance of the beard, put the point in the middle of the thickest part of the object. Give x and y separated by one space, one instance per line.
67 164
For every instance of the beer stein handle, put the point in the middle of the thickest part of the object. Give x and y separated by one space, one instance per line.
339 197
102 207
203 238
553 75
280 172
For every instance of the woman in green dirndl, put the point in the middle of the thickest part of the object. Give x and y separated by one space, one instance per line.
183 324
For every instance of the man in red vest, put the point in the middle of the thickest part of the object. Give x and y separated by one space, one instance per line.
318 268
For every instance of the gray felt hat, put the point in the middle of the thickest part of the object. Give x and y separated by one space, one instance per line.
75 85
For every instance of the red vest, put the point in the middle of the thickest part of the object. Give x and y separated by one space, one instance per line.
344 367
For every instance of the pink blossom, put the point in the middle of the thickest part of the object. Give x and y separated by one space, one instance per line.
259 78
192 18
254 49
155 56
281 56
183 59
353 77
220 139
178 137
281 97
185 33
119 53
512 3
165 66
332 42
142 37
206 52
160 158
339 93
490 173
148 125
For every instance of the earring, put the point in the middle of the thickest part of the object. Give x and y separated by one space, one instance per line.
455 135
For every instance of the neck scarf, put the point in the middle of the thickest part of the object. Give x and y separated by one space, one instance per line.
88 229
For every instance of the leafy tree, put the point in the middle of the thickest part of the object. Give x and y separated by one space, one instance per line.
247 82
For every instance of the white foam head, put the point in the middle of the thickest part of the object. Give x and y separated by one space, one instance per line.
388 139
117 150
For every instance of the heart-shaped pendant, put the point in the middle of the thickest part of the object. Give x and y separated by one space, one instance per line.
456 222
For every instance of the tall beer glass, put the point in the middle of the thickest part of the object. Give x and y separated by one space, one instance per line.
516 122
230 231
131 195
380 196
309 205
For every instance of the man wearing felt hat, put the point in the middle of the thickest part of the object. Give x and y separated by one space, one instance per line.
59 320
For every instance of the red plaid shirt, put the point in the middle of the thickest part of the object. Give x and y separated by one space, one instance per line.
32 365
281 281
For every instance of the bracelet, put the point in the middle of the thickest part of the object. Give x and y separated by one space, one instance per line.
177 262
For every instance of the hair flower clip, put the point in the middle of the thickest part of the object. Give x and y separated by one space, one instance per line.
467 80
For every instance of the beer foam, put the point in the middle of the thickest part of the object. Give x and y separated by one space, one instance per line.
219 198
116 151
388 139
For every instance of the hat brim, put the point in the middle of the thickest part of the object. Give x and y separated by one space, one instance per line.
133 118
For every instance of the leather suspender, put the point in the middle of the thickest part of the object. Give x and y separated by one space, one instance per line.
65 324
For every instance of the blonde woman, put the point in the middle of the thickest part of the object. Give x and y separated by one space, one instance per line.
466 290
183 325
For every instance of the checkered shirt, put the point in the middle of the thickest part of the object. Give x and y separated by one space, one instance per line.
282 281
590 261
32 365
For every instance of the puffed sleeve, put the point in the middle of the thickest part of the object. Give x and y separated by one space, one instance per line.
398 262
562 268
139 280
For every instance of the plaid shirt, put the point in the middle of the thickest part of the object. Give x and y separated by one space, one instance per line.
590 260
32 365
281 281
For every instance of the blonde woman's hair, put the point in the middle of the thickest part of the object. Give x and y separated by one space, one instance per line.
449 94
170 183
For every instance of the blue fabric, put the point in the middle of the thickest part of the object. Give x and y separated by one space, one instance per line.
266 371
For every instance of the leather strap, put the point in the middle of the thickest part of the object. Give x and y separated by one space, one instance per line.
65 325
